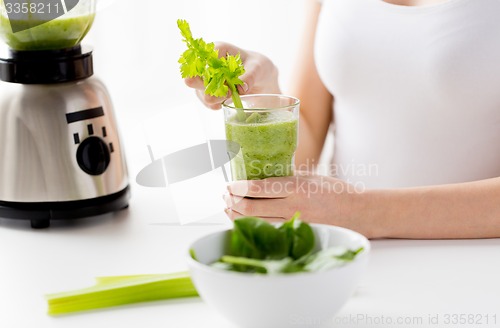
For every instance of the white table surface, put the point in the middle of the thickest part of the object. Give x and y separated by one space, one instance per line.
423 283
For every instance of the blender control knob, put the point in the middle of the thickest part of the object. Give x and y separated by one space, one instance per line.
93 156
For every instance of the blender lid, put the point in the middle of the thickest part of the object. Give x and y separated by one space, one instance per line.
46 66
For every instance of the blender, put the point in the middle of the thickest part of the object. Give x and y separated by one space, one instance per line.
60 151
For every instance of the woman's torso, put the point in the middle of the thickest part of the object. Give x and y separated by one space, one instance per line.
417 90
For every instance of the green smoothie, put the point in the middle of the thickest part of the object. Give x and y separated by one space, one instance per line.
267 145
59 33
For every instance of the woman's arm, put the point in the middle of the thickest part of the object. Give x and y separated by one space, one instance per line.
316 102
463 210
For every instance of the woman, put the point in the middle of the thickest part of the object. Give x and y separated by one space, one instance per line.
415 90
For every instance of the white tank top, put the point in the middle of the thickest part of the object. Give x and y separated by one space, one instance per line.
417 90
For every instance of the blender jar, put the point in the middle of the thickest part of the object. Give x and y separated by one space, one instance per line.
45 24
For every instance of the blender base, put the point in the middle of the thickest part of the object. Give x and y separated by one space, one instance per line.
40 214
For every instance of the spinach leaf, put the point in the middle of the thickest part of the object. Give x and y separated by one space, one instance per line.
330 258
303 240
256 246
258 266
349 255
299 237
255 238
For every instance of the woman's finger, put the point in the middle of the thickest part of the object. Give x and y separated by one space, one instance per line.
228 48
195 83
266 188
209 101
233 215
260 75
253 68
275 208
243 88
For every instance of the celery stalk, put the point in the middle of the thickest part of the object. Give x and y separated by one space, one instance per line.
113 279
114 291
202 60
240 114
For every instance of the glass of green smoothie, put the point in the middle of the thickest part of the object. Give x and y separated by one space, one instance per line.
51 25
266 130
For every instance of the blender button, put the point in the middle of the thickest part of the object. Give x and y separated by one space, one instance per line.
104 133
93 156
111 148
76 137
90 128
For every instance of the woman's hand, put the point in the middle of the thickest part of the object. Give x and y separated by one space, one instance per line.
261 75
462 210
320 199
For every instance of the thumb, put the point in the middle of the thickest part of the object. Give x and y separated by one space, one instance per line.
243 88
248 79
261 75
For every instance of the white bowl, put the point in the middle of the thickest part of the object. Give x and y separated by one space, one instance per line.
285 300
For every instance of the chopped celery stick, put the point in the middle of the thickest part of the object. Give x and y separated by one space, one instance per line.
125 290
113 279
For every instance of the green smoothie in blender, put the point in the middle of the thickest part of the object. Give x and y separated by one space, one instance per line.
60 33
27 25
